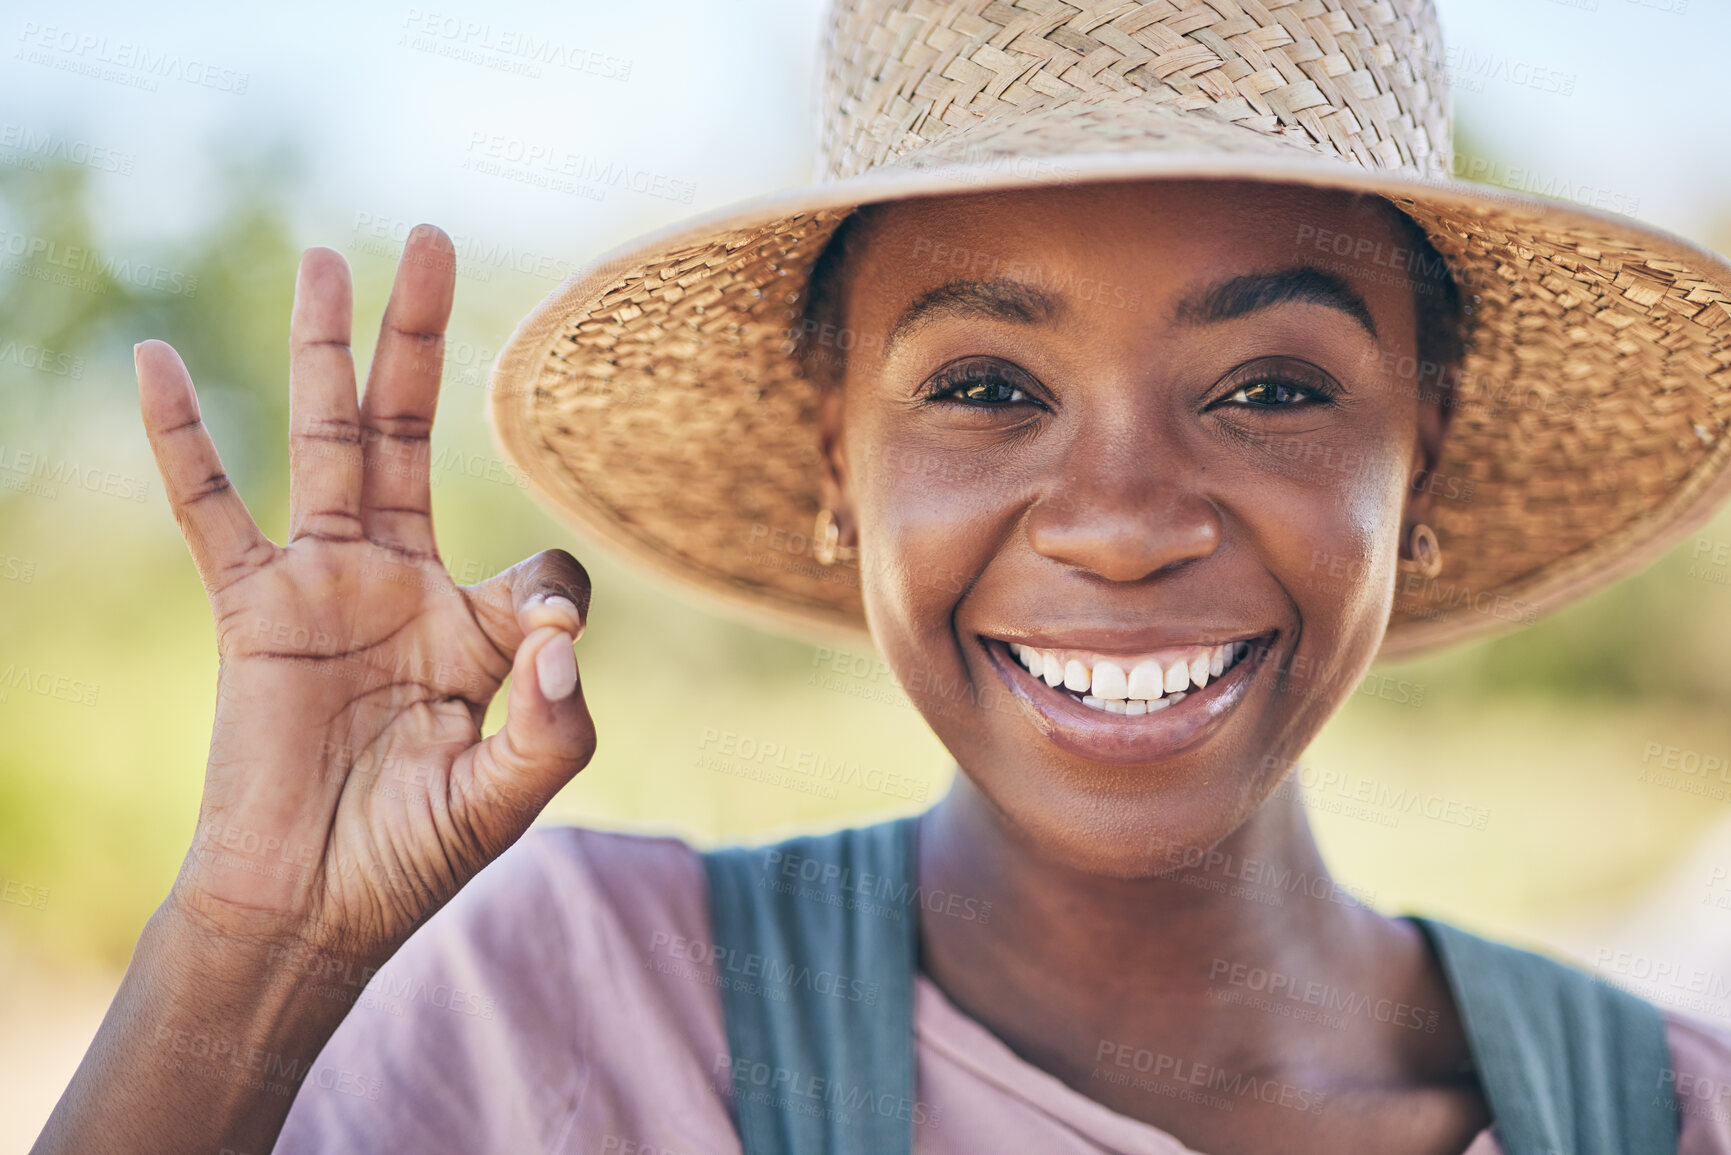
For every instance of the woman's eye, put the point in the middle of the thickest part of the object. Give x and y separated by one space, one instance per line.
1278 383
984 385
988 392
1268 394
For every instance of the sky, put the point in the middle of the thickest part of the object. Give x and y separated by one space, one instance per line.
392 114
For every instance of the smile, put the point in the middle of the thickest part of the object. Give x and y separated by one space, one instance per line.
1143 684
1129 707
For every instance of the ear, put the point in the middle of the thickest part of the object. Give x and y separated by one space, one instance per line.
835 483
1435 413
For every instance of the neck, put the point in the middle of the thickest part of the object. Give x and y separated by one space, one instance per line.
1070 963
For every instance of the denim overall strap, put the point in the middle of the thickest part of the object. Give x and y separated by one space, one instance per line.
816 948
1570 1065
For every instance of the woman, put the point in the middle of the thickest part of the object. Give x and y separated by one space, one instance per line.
1126 393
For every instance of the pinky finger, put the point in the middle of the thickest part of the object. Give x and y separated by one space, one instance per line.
219 532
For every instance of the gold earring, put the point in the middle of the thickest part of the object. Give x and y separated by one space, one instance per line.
1427 560
825 538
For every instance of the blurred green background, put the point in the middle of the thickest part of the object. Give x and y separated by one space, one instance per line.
107 660
1543 730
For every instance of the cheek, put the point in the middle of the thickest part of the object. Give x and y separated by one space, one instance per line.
923 533
1345 562
931 515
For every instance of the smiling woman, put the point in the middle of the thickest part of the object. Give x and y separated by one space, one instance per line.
1120 490
1135 450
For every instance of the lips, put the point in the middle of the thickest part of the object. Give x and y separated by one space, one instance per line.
1168 722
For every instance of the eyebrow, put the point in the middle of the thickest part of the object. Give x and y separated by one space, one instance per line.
998 300
1254 292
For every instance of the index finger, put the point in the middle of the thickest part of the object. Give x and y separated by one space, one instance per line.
220 534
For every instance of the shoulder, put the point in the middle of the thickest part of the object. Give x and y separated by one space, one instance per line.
1700 1077
561 900
521 1012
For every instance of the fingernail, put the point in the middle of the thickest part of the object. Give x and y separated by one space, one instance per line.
561 603
556 668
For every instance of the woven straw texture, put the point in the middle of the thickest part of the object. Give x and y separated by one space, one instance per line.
653 399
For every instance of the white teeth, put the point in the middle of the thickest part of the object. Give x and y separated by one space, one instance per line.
1177 678
1109 681
1145 689
1199 671
1144 680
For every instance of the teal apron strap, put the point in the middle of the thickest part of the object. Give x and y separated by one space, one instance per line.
1570 1065
816 949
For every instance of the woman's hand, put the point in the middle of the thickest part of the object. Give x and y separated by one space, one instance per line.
349 792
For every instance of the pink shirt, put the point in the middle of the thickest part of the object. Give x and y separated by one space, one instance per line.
554 1006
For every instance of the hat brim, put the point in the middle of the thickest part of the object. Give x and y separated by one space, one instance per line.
653 402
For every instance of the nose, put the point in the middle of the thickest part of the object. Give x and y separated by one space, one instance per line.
1125 515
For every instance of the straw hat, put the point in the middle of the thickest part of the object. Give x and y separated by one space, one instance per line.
654 401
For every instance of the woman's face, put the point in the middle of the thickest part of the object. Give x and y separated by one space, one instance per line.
1136 426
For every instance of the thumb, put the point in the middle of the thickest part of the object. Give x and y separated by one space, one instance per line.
549 589
548 736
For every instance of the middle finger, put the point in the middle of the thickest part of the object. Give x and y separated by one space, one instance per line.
403 393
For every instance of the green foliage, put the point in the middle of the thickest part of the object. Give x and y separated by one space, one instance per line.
98 804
